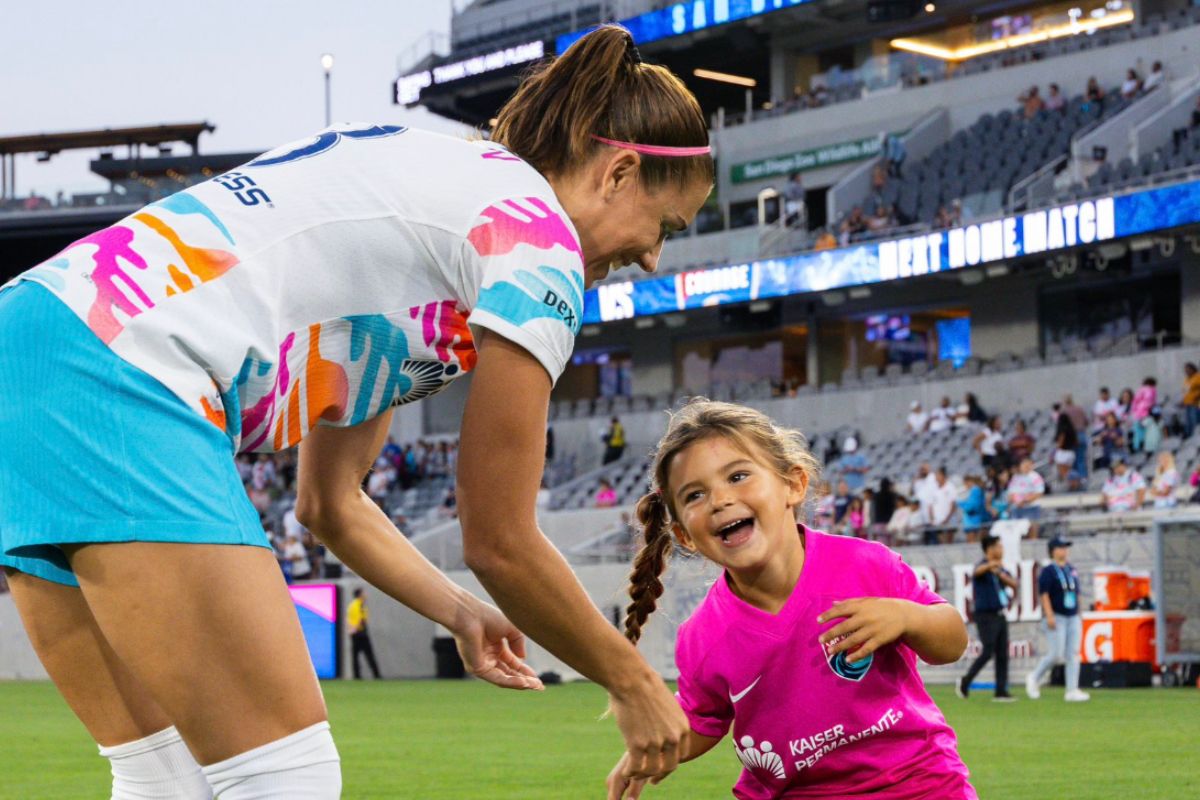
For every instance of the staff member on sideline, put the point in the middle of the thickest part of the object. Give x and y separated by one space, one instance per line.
1058 585
360 637
991 602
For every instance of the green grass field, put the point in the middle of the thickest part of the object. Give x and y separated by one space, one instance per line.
466 740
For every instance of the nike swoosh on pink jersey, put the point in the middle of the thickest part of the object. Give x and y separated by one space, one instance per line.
735 697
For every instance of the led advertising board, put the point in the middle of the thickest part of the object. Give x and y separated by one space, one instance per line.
988 241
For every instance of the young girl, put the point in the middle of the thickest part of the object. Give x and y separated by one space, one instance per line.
807 645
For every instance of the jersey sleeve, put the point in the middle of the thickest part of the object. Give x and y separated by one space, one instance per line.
907 586
523 277
707 708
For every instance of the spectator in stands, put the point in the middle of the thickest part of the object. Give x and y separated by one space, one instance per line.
989 443
1144 401
1166 481
1110 441
882 219
841 502
942 503
975 412
894 153
1031 102
823 507
883 503
360 638
1103 406
990 601
448 509
1132 84
1022 444
855 519
380 481
295 554
1025 491
1155 78
1125 489
918 420
793 200
1191 398
1094 93
606 496
1079 419
825 240
1152 431
1058 588
614 441
942 417
943 218
853 226
854 465
1055 101
1124 405
998 497
1065 445
904 522
975 515
1179 135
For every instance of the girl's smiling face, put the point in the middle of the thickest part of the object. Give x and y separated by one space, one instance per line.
731 506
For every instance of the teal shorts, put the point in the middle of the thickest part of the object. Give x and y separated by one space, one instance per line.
93 449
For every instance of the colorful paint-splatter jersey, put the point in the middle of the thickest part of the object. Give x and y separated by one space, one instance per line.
330 279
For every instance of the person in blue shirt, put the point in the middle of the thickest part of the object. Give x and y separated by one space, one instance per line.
1058 587
975 514
854 466
991 602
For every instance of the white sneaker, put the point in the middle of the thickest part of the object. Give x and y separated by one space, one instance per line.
1077 696
1031 687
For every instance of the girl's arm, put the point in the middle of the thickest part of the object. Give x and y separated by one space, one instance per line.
332 504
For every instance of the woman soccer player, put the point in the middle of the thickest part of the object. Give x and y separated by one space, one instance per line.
808 643
295 301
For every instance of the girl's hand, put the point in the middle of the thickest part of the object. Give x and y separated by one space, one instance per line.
869 624
492 648
620 786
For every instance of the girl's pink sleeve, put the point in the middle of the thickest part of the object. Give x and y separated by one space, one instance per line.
706 705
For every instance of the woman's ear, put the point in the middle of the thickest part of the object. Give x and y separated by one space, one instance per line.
621 173
797 487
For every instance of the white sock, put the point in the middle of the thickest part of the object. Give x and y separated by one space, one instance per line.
158 766
301 766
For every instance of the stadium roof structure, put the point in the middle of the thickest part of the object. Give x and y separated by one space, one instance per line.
52 143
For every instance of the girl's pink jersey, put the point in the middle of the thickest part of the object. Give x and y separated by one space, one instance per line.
806 725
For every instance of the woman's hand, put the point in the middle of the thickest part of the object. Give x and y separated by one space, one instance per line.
653 725
620 785
869 624
492 648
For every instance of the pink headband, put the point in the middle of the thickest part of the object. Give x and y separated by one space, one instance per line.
656 149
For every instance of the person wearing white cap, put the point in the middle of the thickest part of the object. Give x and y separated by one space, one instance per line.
854 466
918 420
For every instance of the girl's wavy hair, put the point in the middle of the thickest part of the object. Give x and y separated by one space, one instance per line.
785 450
600 87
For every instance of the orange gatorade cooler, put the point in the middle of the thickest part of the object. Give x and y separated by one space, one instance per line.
1117 636
1110 586
1139 586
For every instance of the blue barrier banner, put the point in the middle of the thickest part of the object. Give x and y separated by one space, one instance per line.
988 241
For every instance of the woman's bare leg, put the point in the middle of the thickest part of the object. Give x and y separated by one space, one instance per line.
96 684
211 632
